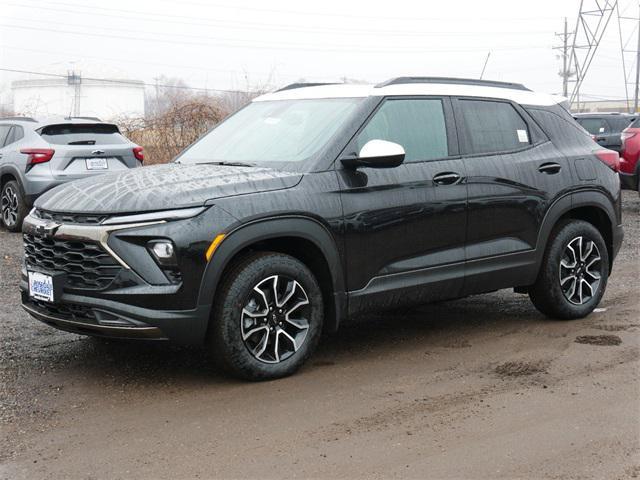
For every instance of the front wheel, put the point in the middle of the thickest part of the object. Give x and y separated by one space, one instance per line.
574 271
267 318
13 208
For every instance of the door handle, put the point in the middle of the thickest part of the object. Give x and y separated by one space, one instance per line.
447 178
550 168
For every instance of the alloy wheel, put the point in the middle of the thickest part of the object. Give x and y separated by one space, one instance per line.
580 274
274 321
9 206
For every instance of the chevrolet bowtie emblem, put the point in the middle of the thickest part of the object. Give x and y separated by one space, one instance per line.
47 229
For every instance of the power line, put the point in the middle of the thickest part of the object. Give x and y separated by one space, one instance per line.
384 18
161 64
205 37
123 82
396 51
273 27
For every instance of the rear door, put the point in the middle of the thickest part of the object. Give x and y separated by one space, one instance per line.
405 226
513 174
87 149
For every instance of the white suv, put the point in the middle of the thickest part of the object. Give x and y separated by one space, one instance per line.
36 155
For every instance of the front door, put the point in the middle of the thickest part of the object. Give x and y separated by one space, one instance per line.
405 226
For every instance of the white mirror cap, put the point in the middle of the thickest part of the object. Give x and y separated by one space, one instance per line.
380 148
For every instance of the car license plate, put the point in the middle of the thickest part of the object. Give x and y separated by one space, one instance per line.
97 163
41 286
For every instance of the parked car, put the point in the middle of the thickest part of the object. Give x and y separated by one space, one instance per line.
36 155
629 165
313 204
606 128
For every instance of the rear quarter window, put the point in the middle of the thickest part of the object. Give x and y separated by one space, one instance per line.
82 134
560 127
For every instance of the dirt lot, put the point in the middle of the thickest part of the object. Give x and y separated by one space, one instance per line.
479 388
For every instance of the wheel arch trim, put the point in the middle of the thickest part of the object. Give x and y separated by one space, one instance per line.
571 201
296 226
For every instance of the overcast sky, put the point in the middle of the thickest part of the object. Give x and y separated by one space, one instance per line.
227 44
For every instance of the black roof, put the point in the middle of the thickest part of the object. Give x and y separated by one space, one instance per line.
454 81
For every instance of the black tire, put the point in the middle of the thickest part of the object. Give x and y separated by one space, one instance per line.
548 295
236 355
13 207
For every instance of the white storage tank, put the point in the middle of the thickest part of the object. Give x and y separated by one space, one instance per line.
73 94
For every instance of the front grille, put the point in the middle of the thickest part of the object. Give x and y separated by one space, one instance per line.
65 311
86 264
70 218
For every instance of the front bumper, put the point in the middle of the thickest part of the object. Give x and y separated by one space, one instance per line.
97 317
107 283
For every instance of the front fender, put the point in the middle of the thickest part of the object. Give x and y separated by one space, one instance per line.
248 234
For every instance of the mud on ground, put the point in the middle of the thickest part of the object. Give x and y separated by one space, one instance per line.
483 387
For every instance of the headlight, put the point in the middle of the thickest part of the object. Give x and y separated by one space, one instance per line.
178 214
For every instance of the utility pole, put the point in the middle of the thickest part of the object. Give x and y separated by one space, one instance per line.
635 97
566 72
75 79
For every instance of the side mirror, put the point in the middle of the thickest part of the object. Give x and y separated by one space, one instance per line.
377 154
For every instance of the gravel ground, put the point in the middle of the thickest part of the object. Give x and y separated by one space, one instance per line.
483 387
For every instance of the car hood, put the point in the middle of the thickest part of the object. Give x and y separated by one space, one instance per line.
162 187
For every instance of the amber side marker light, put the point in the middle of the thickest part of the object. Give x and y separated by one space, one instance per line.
212 248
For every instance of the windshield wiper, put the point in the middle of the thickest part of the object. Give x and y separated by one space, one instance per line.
232 164
225 164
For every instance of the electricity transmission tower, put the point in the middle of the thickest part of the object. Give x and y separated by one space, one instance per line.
635 21
593 18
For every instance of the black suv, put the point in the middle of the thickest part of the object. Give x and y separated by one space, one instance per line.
315 203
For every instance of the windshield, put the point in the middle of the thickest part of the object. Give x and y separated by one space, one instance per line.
273 131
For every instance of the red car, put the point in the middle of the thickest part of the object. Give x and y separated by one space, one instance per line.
629 165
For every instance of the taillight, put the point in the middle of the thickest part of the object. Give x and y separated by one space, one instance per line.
138 152
37 155
609 157
627 135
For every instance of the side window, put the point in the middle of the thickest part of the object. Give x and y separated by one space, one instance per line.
416 124
493 126
4 132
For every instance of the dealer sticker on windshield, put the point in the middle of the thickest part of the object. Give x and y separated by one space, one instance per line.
41 286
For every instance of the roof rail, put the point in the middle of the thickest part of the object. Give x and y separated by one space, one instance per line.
454 81
293 86
95 119
18 118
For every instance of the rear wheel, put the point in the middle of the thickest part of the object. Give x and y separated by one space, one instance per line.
574 272
268 317
13 208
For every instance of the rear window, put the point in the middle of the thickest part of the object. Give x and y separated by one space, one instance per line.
594 125
82 134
